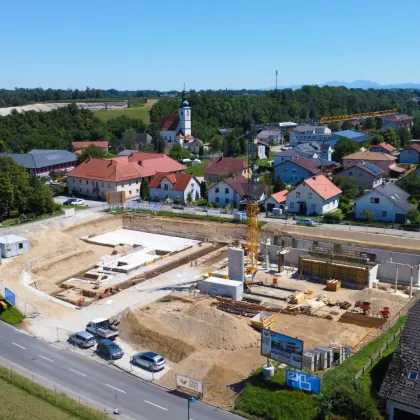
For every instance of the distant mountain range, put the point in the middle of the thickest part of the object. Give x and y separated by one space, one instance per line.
359 84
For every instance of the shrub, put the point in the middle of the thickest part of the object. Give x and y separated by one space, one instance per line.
335 216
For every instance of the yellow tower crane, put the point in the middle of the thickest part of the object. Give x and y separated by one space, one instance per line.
350 117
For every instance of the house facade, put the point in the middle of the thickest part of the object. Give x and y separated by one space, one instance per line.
397 121
81 145
231 191
177 187
365 174
386 203
276 201
42 162
285 155
316 195
383 148
308 133
410 154
296 170
95 177
382 160
271 136
223 167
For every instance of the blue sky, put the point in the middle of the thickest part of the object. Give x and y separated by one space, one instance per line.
208 44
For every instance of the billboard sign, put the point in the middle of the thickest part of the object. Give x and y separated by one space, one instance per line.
9 296
303 381
213 212
188 385
282 348
69 212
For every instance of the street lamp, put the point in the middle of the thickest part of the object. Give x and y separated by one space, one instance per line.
191 400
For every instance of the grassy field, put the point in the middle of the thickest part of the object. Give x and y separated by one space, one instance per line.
340 394
198 170
140 112
11 315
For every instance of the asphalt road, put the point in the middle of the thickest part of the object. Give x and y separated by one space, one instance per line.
103 385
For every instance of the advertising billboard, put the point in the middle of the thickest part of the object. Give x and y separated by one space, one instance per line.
188 385
303 381
9 296
282 348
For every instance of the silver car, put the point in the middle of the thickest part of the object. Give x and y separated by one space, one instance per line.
82 339
149 360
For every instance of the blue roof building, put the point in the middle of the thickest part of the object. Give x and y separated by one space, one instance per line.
350 134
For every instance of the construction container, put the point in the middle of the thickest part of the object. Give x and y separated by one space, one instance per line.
215 286
333 285
310 360
262 320
239 215
297 298
13 245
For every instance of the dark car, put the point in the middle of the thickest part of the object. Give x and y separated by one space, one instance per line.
109 350
69 201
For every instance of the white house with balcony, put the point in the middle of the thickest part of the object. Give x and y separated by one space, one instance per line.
309 133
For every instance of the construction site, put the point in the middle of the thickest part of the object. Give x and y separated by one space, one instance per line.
182 288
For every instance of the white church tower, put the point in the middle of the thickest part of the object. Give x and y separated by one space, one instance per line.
184 114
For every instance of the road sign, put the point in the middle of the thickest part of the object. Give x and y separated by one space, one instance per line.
282 348
9 296
303 381
188 385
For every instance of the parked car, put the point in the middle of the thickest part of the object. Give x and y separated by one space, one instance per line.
306 222
78 202
149 360
69 202
109 350
82 339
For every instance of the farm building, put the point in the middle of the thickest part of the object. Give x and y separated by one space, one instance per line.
12 245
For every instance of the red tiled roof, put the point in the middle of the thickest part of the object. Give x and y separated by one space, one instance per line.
168 123
388 147
124 168
322 186
78 152
376 156
83 144
414 146
280 196
179 181
225 165
240 184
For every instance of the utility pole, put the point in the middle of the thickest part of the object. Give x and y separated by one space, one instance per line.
277 73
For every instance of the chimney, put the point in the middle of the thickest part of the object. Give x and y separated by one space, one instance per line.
314 178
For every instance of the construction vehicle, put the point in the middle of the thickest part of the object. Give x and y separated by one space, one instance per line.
350 117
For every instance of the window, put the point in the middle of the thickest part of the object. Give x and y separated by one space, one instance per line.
384 213
293 170
413 375
93 183
226 200
192 185
129 184
217 199
217 190
137 190
137 181
103 184
284 170
313 207
109 185
20 245
165 187
87 182
80 181
374 200
129 192
351 173
297 194
292 205
360 173
80 189
309 195
226 190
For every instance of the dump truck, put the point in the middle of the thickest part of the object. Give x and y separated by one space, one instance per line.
103 328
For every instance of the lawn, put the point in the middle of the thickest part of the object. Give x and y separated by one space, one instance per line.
11 315
139 112
198 170
340 394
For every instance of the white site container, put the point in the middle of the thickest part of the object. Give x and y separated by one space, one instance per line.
13 245
215 286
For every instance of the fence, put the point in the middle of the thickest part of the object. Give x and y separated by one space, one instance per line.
26 308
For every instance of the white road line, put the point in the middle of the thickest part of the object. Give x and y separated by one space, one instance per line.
17 345
46 358
113 387
75 371
163 408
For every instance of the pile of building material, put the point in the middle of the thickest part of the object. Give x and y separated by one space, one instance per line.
215 286
296 298
322 358
244 308
333 285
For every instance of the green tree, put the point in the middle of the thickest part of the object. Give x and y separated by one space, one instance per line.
189 197
177 152
379 138
369 215
415 131
203 190
334 127
91 152
405 136
369 123
348 186
216 143
6 196
413 216
40 200
379 123
128 139
344 147
279 185
243 146
144 189
201 152
391 137
410 183
347 125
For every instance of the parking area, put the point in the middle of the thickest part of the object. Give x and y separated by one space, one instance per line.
89 203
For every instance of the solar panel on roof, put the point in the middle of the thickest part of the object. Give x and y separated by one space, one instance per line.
372 167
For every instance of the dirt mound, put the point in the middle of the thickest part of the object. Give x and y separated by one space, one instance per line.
122 250
379 299
151 335
102 225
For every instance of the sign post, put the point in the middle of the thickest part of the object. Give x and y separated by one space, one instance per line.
9 296
189 386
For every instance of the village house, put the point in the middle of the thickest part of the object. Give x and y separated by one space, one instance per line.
316 195
384 161
275 201
397 121
365 174
355 136
386 203
383 148
411 154
177 187
231 191
42 162
296 170
309 133
285 155
271 136
223 167
93 178
79 146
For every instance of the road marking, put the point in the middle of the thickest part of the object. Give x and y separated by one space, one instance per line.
75 371
46 358
113 387
17 345
163 408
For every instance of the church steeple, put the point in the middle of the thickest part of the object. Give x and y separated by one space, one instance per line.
184 114
185 102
